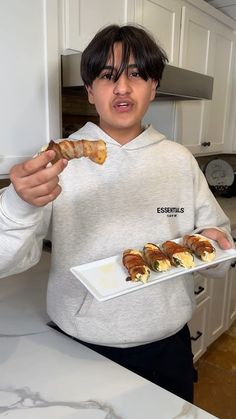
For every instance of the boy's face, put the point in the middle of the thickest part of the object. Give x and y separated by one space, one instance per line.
121 104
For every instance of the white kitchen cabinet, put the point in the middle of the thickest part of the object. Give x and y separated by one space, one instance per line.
199 323
162 19
201 287
215 311
232 119
30 105
197 39
221 67
206 47
217 321
198 329
231 302
81 19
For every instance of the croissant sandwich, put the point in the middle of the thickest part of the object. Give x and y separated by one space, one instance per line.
200 246
178 254
155 258
67 149
136 266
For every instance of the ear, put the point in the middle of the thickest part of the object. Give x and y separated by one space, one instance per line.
153 89
90 94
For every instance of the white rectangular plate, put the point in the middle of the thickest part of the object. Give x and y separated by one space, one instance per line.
106 278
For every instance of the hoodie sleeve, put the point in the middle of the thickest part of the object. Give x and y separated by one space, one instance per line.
209 214
22 229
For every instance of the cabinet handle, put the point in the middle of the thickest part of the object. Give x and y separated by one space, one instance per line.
199 334
200 289
206 144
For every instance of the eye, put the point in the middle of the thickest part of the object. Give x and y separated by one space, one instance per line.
134 73
107 75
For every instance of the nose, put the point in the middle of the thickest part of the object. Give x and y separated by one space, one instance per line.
122 85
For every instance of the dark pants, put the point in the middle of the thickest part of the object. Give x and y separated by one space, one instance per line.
168 362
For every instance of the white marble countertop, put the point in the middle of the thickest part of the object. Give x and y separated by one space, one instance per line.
44 374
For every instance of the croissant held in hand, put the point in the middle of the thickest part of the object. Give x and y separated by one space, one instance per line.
67 149
201 246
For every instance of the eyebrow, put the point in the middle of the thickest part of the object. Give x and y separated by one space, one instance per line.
110 67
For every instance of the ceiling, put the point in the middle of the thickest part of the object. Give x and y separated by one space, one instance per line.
228 7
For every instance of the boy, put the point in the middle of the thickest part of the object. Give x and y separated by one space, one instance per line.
148 190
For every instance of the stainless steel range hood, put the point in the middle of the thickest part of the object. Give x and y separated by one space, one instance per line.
176 84
179 83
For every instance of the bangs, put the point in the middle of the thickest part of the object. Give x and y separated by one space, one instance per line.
147 55
128 50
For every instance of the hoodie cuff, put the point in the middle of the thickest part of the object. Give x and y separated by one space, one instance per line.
16 209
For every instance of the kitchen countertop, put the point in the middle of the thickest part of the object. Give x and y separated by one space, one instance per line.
46 374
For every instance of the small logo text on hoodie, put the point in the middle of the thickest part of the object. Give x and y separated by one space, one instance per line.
170 211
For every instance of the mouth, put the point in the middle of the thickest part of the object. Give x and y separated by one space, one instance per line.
123 106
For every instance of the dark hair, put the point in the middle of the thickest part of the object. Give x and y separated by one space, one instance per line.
149 57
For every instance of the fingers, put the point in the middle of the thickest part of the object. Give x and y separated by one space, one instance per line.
42 193
224 243
219 236
37 182
42 200
33 165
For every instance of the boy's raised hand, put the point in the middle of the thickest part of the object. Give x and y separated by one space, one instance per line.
35 181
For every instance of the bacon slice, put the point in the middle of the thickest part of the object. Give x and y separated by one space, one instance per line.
178 254
136 266
155 258
201 246
67 149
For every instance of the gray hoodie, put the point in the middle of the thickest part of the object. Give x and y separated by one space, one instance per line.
148 190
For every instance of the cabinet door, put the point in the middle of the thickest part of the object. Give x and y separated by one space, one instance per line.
220 66
194 55
30 79
231 302
198 329
206 47
162 19
218 307
83 18
201 287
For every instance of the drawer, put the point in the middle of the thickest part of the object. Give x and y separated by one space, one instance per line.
201 287
198 329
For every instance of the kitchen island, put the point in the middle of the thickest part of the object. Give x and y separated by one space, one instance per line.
44 374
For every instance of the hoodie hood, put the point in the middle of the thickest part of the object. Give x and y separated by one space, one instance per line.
147 137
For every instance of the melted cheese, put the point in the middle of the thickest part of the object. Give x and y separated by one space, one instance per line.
208 257
143 277
184 259
163 265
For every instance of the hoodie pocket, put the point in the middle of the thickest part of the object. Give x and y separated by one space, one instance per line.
85 306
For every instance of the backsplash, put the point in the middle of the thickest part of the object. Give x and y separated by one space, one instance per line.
76 110
4 182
